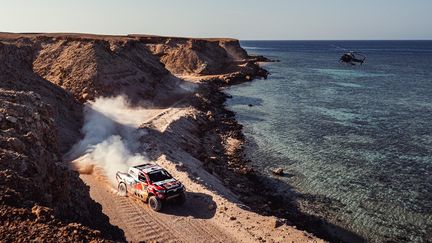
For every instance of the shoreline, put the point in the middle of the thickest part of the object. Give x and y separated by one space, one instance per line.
180 85
254 187
184 137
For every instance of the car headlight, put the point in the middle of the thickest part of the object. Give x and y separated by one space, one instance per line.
160 191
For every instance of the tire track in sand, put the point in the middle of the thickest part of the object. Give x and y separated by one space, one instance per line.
123 212
140 223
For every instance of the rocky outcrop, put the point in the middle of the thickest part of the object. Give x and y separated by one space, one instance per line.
16 73
39 195
142 67
193 56
45 78
91 68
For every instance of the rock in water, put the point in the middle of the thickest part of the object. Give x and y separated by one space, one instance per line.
278 171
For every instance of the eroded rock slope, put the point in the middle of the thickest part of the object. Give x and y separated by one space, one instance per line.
44 81
40 198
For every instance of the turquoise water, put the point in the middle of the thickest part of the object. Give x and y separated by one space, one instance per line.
358 136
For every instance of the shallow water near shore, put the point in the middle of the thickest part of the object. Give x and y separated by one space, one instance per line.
358 136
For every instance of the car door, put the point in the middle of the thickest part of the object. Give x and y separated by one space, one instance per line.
143 186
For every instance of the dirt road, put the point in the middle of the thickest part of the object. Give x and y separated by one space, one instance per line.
188 223
212 213
191 222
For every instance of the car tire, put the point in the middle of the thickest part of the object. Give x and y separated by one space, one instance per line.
122 189
155 204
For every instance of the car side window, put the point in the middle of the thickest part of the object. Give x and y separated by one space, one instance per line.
142 178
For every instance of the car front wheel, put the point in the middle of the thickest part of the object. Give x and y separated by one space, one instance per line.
155 204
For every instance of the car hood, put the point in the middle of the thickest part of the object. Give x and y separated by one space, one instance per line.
169 183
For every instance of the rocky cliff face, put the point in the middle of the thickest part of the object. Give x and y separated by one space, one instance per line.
44 79
39 195
193 56
90 68
142 67
16 73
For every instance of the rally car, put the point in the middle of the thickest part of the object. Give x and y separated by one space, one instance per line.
152 184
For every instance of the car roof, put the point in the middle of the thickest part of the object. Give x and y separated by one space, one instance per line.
149 167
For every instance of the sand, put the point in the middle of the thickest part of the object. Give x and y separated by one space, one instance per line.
212 213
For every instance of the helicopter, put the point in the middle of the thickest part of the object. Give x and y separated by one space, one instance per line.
352 58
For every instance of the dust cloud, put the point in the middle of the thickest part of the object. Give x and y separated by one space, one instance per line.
110 137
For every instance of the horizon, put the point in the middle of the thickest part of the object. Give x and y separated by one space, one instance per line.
192 37
243 20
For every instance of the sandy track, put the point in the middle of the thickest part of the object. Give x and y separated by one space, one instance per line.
188 223
191 222
212 213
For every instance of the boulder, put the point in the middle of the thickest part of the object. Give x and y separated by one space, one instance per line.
42 213
278 171
16 144
11 119
278 222
84 96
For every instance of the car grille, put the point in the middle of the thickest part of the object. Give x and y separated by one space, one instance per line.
173 192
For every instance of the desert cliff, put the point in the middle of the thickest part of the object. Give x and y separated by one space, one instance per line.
45 79
40 197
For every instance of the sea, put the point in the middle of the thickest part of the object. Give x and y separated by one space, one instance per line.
355 142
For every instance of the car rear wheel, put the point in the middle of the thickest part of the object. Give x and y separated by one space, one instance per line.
122 189
155 204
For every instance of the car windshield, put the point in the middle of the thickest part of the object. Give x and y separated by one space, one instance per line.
159 175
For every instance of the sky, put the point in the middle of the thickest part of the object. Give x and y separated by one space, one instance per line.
241 19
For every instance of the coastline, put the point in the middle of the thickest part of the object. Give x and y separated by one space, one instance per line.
189 129
340 166
255 189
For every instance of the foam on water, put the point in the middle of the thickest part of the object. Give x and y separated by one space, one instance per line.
350 85
349 74
256 48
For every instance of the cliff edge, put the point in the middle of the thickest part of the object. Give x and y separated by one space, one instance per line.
46 81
